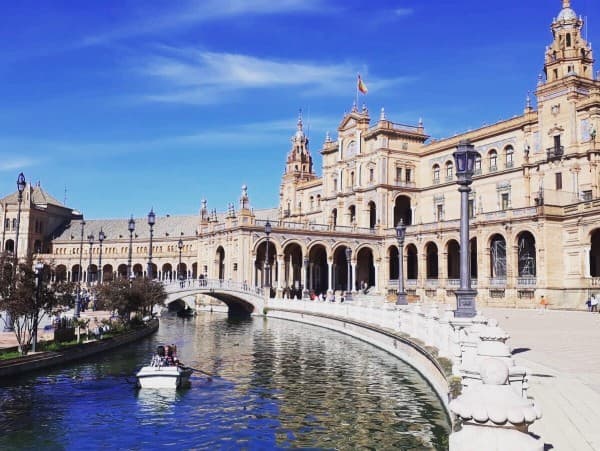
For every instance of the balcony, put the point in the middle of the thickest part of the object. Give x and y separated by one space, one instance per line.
432 283
498 282
526 282
555 153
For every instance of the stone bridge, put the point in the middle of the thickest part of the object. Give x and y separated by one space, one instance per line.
241 298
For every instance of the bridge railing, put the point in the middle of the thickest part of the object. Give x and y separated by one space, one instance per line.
212 284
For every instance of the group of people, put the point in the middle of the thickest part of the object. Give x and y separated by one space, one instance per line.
165 356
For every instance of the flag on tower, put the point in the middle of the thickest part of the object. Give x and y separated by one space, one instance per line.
361 85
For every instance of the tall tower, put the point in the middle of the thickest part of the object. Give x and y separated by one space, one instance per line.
298 169
569 54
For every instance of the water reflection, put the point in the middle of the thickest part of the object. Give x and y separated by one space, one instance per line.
280 385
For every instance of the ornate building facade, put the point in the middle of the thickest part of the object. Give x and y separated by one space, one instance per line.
534 207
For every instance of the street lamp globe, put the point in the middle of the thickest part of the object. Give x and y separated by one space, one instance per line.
101 236
464 159
400 231
180 244
91 239
131 224
268 228
151 217
21 183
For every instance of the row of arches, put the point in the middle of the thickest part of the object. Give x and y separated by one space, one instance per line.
402 210
491 157
90 273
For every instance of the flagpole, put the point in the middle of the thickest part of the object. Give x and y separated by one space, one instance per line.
356 98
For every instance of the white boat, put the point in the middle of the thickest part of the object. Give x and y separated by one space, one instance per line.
156 376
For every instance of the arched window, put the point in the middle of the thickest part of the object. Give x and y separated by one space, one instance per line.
493 156
449 170
318 200
334 217
477 164
508 156
312 202
352 213
436 173
568 39
371 174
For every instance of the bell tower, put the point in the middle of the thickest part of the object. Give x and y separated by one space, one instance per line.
569 54
299 164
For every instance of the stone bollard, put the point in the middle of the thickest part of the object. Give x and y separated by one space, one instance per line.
493 416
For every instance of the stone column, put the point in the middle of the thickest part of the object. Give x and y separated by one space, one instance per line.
376 287
353 278
280 267
586 262
329 276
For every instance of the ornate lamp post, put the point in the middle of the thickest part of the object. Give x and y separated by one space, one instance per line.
79 274
464 159
39 272
131 228
89 270
305 292
101 237
400 234
179 275
151 222
267 265
349 288
21 184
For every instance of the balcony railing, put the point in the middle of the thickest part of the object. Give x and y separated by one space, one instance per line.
432 283
596 281
526 281
497 281
555 152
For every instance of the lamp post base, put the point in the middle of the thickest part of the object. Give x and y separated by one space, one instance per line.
348 296
402 300
465 303
305 294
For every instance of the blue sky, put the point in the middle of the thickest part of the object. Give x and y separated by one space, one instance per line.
132 104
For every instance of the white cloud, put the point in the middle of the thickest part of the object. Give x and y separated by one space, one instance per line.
201 77
198 11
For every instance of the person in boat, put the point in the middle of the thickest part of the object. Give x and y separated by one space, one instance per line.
170 358
159 358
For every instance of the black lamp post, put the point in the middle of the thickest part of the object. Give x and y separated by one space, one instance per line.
89 270
400 235
79 274
464 159
267 264
349 284
179 275
101 237
131 228
21 184
305 292
151 222
39 272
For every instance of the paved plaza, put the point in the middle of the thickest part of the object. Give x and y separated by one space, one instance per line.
561 350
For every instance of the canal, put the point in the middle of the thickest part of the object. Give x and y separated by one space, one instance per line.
278 385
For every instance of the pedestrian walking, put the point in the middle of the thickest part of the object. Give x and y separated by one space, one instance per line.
593 304
543 304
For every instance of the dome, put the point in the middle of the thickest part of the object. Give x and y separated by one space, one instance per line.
567 14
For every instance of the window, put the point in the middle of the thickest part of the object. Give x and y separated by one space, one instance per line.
235 267
318 200
505 204
7 224
440 212
493 160
568 39
509 157
471 208
335 185
14 224
449 170
398 174
408 175
586 195
351 179
371 174
558 177
436 173
477 164
312 202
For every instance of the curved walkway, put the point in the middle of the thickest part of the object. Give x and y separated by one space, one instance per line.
561 349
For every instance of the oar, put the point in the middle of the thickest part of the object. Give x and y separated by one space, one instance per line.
210 376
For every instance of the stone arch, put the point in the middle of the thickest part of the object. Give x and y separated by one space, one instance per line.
473 257
107 273
497 256
220 262
402 210
92 273
340 268
526 254
37 246
372 207
365 268
292 269
182 271
76 273
60 273
412 262
318 279
261 270
137 270
392 253
595 253
167 271
122 271
9 246
453 259
195 270
431 252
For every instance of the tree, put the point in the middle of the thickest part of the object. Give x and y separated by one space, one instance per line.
26 302
126 297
